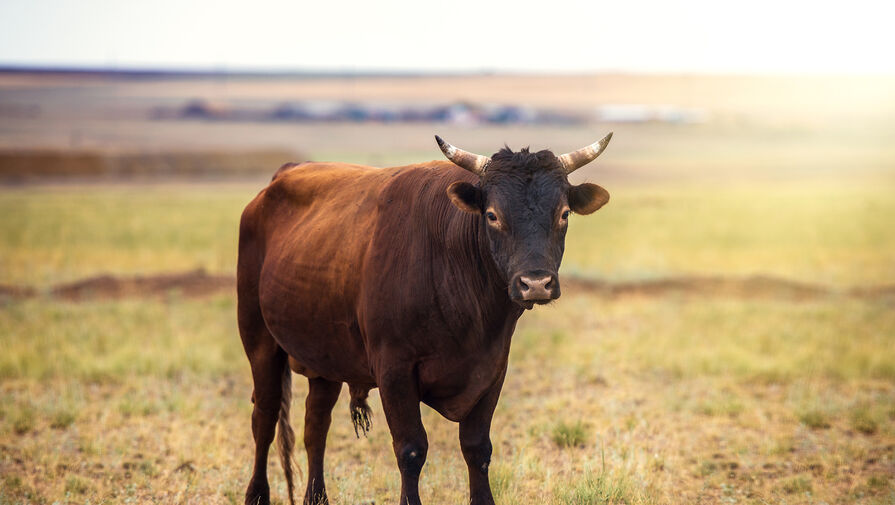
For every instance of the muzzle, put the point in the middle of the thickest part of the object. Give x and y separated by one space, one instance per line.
534 287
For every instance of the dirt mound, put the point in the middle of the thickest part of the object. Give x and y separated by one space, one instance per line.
7 291
885 290
198 283
24 166
735 287
192 284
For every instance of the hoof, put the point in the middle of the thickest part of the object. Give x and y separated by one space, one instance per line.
258 494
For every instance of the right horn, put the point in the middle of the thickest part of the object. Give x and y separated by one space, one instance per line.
475 163
576 159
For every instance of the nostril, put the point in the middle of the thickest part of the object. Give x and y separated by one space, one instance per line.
523 286
549 285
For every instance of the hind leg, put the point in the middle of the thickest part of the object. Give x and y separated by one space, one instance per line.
270 373
322 396
268 363
270 370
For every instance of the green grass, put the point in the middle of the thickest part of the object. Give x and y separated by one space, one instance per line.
107 341
815 419
836 234
762 341
728 405
566 434
863 420
77 485
831 234
57 235
797 485
595 488
62 419
22 419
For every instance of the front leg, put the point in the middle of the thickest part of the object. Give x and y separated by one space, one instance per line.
401 403
475 442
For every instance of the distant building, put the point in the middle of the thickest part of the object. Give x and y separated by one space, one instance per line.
639 113
459 113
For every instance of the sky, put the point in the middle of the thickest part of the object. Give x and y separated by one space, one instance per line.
690 36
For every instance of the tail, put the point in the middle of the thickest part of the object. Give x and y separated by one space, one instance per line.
285 435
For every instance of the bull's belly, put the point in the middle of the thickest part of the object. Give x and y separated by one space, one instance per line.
326 352
319 334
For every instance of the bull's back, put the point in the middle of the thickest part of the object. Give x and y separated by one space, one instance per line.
310 230
319 219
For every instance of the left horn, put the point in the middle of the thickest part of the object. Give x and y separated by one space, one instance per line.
475 163
576 159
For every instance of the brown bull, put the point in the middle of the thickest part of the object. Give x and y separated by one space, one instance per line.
408 279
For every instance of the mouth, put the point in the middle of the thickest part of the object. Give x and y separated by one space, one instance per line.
530 304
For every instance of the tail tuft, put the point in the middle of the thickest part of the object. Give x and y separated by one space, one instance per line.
285 435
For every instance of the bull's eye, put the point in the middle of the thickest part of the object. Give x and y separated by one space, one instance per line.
491 216
565 215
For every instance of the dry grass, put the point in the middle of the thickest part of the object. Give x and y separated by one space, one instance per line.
590 412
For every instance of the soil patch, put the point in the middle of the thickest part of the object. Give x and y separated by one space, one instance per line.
758 286
37 166
194 283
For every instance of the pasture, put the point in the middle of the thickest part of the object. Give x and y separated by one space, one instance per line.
647 397
725 333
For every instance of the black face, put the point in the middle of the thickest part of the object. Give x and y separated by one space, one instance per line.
526 216
524 200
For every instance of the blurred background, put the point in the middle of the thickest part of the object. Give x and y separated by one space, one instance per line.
727 330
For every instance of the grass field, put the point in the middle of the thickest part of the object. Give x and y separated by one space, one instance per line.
838 234
643 400
634 399
638 397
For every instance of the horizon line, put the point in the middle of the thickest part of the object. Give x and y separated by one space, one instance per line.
199 71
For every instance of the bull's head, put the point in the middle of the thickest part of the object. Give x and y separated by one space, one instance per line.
524 200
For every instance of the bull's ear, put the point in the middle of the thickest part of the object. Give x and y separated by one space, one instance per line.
587 198
465 197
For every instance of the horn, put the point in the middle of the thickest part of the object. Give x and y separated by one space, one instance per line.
475 163
576 159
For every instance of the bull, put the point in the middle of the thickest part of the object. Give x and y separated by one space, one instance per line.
409 279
